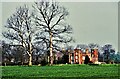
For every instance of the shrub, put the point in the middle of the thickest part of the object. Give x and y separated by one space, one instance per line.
44 62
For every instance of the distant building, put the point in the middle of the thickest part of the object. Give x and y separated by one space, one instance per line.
78 56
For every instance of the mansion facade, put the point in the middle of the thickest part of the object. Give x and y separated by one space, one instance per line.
78 56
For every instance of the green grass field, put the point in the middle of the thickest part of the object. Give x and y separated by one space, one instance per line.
60 71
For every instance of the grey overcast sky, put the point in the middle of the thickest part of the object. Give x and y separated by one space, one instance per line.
93 22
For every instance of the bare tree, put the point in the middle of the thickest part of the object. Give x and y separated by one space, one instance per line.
6 53
107 47
50 18
20 30
107 50
93 46
83 47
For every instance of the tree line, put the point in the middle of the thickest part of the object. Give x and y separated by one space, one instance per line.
14 55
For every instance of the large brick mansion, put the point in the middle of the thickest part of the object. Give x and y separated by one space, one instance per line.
78 56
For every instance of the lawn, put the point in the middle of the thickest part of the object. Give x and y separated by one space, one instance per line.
60 71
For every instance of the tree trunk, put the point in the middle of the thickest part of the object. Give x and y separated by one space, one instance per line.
22 51
30 55
51 54
30 60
